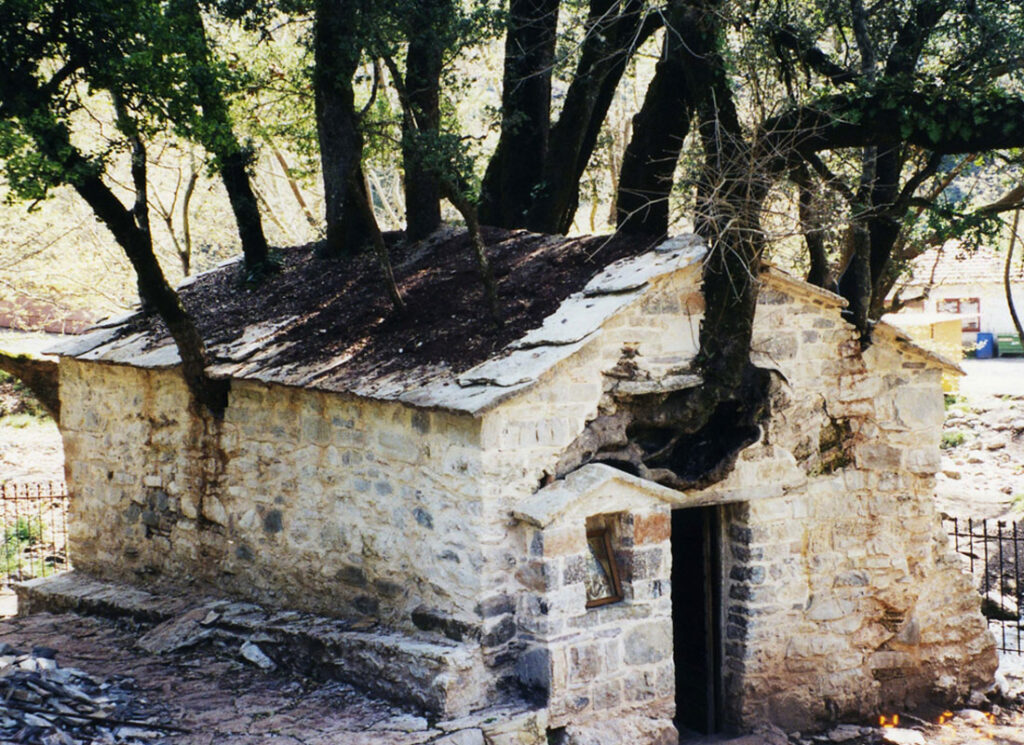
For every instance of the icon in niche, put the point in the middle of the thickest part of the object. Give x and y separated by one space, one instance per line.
602 573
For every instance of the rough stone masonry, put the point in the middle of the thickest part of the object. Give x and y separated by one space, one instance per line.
426 502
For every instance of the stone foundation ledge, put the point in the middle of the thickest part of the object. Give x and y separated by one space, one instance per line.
443 678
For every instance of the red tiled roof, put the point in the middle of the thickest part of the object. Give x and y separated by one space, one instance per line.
29 314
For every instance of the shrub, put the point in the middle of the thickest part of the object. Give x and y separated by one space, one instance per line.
952 439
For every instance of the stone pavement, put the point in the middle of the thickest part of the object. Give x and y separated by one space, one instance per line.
223 700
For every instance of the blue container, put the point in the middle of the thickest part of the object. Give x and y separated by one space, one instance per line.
986 346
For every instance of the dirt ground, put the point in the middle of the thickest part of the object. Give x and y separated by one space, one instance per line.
31 452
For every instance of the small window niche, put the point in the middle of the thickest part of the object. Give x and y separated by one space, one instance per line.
603 584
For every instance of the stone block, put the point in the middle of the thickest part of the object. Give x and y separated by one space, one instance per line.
533 669
496 605
563 541
214 511
585 662
646 564
878 456
648 643
923 460
472 736
828 608
653 528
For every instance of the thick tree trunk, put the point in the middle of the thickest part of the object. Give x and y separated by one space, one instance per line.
810 226
692 437
41 377
232 158
515 167
659 128
336 54
855 281
158 294
615 28
130 229
422 89
234 172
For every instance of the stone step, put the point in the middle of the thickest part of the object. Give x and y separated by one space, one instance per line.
445 679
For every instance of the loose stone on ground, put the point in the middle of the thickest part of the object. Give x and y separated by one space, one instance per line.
215 699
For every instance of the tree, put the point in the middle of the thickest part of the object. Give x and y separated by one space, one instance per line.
337 47
213 129
541 191
94 47
862 102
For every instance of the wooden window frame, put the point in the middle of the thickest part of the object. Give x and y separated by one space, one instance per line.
606 535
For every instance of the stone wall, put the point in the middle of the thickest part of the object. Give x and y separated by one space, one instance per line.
841 597
589 661
307 500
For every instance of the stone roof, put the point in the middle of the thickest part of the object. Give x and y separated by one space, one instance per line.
902 341
253 352
258 349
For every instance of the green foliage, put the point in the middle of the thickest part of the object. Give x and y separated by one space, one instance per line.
18 539
1017 502
954 401
952 439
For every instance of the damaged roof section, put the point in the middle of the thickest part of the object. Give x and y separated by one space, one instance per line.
327 324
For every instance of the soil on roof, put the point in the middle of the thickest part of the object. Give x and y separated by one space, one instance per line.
340 308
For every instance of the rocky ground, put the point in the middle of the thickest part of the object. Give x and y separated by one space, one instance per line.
982 472
209 694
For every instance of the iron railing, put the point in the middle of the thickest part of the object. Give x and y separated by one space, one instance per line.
33 518
994 552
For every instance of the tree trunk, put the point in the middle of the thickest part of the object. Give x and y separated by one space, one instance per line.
154 289
611 39
810 226
469 213
515 167
659 128
422 89
232 158
855 281
336 54
360 187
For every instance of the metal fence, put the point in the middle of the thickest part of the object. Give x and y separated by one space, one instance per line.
33 517
994 551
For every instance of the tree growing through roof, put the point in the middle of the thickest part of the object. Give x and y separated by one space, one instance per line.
863 101
54 54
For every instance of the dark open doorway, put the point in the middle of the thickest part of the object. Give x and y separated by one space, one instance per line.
696 604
